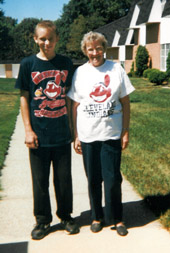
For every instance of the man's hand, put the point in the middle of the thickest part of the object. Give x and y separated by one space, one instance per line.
31 140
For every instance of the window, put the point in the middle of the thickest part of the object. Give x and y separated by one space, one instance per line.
112 53
165 48
129 52
152 33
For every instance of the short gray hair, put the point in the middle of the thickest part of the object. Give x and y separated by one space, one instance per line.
91 36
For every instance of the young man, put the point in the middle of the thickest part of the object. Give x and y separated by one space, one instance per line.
44 80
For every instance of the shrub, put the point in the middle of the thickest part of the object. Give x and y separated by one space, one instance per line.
142 57
132 74
132 71
157 76
146 73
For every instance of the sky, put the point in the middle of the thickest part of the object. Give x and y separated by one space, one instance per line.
45 9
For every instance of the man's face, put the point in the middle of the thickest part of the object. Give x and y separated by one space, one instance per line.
46 39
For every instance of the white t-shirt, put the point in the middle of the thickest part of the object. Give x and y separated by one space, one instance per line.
98 90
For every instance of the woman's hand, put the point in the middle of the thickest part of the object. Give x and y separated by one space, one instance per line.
125 139
77 146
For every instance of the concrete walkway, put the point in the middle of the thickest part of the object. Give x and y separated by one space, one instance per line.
146 235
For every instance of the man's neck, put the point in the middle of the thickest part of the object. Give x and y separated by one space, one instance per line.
45 57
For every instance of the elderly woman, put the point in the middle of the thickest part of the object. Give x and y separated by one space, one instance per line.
101 114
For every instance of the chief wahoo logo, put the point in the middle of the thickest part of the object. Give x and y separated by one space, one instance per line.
101 92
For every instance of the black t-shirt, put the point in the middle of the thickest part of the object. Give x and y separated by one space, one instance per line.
47 83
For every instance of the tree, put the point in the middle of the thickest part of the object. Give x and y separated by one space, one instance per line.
78 28
24 44
105 11
111 9
7 26
78 17
142 57
5 38
1 11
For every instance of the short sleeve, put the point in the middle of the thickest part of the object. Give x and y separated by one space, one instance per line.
126 85
24 75
73 94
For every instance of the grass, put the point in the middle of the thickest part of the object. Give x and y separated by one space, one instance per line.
147 160
9 107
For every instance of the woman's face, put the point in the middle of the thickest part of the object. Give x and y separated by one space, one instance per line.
95 53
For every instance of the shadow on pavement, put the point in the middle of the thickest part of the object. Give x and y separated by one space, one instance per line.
21 247
135 214
159 204
57 227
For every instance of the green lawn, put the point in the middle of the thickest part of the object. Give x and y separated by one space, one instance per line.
9 107
146 163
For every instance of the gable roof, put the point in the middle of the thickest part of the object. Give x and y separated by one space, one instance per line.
166 11
121 25
145 10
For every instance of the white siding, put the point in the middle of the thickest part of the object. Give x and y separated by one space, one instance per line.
129 37
2 71
122 53
156 12
15 70
165 31
135 16
116 39
142 35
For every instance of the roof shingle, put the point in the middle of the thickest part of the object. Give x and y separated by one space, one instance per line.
166 10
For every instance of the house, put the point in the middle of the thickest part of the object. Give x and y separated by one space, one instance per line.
147 24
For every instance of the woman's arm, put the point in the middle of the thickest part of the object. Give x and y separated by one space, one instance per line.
77 144
126 121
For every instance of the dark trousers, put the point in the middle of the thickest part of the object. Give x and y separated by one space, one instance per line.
102 163
41 160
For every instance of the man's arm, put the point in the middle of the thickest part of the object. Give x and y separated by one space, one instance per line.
69 113
31 139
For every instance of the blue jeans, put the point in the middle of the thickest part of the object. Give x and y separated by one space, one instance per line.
102 164
41 160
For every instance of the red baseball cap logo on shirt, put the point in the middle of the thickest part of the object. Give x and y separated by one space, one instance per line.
52 90
101 92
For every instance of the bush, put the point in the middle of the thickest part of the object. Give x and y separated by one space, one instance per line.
142 57
157 76
146 73
132 71
132 74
